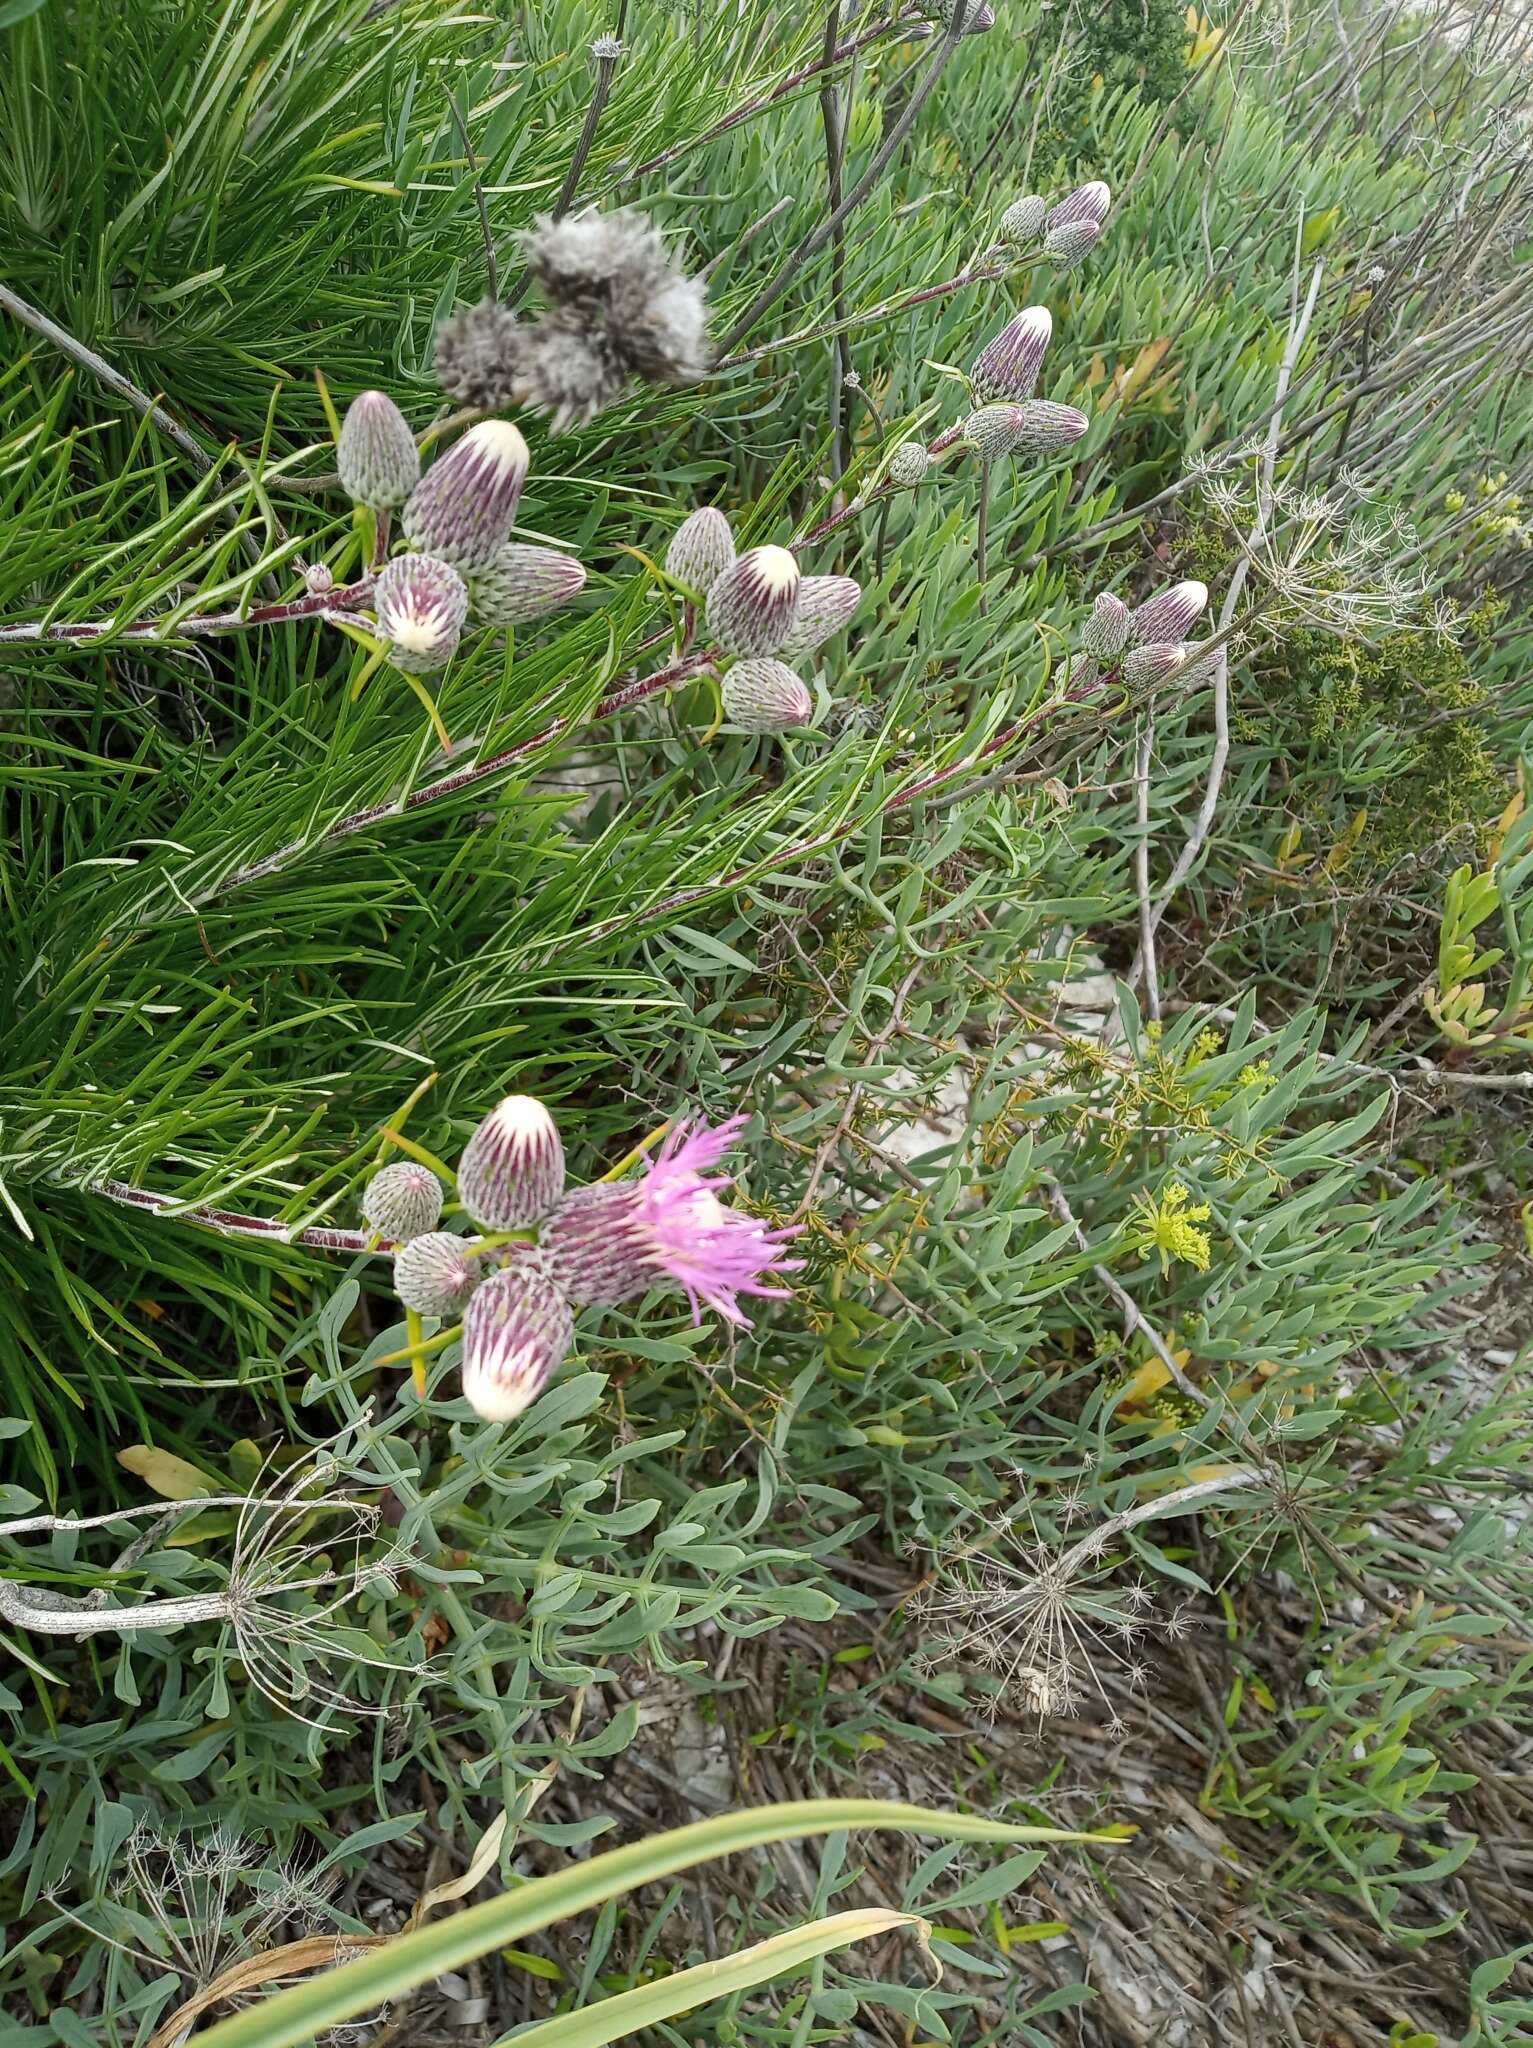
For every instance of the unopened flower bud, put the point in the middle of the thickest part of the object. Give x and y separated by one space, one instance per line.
524 582
1044 426
1007 367
994 430
319 578
1085 673
464 507
1022 222
420 604
1106 631
376 453
1166 618
909 464
764 695
517 1329
434 1274
978 15
825 604
402 1201
512 1169
701 549
1146 666
752 605
1069 244
1087 202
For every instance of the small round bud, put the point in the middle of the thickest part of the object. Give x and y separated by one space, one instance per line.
434 1274
909 464
763 695
512 1169
1022 222
825 604
1106 632
1166 618
1007 367
1070 243
516 1331
420 605
522 583
1087 202
1043 426
376 453
1146 666
752 605
319 577
994 430
701 549
978 15
464 507
402 1201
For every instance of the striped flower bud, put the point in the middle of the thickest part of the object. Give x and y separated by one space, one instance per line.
752 605
1043 426
1146 666
825 604
908 464
434 1274
522 583
1022 222
1085 673
978 15
1007 366
1087 202
512 1169
1069 244
1106 631
994 430
402 1201
1166 618
701 549
517 1330
420 605
464 507
1205 663
376 453
764 695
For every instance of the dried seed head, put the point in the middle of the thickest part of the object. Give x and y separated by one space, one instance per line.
1007 367
994 430
1022 222
1070 243
1106 632
434 1274
1043 426
516 1331
478 351
512 1169
1166 618
464 507
420 604
764 695
376 453
402 1201
1149 665
909 464
1087 202
825 605
701 549
752 605
522 583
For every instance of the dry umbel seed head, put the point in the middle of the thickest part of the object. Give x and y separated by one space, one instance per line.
402 1200
753 604
512 1169
764 695
464 507
376 453
420 604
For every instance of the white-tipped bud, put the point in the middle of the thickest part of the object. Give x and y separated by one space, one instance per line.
994 430
752 605
420 604
1071 243
434 1274
464 507
1106 632
522 583
825 605
402 1201
1022 222
512 1169
763 695
1087 202
1006 368
909 464
701 549
1146 666
1166 618
1043 426
376 453
516 1331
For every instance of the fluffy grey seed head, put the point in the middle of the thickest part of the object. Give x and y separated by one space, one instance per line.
464 507
522 583
420 604
1106 631
701 549
376 453
1069 244
753 604
478 353
1087 202
434 1274
1166 618
994 430
825 605
1006 368
764 695
402 1201
1043 426
1149 665
512 1169
1022 222
516 1331
909 464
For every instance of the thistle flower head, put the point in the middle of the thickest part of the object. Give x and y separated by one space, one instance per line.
1007 367
1106 632
512 1169
1167 617
420 603
402 1200
434 1274
517 1330
376 453
825 605
701 549
978 15
1070 243
1146 666
754 602
522 583
764 695
1087 202
1043 427
909 464
464 507
606 1244
994 430
1022 222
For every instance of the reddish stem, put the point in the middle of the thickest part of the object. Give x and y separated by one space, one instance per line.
346 597
230 1223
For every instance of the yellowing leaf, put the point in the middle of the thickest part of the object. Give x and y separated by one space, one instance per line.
1137 376
1318 227
164 1473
